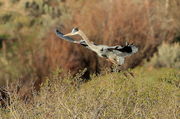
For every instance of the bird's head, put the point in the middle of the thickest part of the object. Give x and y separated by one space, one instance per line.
74 31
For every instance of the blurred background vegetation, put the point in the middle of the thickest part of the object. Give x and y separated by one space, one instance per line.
30 51
23 25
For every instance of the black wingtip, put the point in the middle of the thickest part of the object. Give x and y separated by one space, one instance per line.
56 31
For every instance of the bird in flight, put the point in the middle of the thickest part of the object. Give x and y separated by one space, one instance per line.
115 54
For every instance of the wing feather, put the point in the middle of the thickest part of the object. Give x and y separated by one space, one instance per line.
69 39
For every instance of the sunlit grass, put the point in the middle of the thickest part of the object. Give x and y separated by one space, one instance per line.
112 95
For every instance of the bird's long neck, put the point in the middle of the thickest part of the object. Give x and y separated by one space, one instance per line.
91 45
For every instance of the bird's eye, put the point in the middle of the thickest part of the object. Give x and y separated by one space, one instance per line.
75 30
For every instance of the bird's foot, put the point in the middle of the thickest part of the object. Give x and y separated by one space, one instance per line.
129 74
116 68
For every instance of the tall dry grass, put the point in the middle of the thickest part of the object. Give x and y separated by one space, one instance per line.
150 94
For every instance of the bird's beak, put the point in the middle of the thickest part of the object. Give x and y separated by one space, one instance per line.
68 34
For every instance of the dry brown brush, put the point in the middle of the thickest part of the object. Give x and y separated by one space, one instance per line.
144 23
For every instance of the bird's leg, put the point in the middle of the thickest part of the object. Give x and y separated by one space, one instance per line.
131 73
116 68
112 61
128 73
125 73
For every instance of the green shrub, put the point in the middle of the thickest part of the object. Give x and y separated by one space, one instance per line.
168 56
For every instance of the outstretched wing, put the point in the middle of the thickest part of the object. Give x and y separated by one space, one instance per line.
69 39
61 35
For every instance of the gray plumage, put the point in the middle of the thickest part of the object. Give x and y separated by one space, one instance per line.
69 39
116 54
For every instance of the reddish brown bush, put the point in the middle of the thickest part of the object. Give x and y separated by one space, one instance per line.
69 57
110 22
